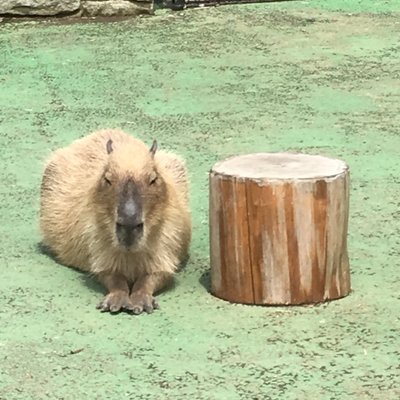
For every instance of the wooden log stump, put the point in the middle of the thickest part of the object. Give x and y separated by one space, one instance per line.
278 229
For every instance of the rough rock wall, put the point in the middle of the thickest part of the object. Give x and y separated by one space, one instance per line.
43 8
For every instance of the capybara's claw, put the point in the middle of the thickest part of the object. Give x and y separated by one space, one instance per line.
115 302
143 302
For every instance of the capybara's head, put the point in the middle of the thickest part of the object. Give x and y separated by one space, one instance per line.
131 193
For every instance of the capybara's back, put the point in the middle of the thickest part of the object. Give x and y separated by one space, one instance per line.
118 209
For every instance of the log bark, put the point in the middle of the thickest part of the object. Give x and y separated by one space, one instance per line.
278 229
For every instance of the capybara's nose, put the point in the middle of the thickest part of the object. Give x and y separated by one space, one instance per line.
131 223
130 217
137 226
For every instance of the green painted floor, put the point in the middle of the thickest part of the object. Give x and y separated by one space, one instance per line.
320 77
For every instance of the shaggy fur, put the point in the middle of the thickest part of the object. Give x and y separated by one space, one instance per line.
79 197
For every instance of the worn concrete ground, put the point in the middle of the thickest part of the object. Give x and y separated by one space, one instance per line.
317 77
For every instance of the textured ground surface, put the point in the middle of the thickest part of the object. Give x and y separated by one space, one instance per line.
319 78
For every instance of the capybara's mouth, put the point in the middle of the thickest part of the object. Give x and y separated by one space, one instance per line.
129 236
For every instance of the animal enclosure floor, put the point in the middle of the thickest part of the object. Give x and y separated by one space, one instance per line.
319 77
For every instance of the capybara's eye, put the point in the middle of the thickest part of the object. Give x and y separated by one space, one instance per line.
153 178
107 178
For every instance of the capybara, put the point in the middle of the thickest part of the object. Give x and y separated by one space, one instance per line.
117 209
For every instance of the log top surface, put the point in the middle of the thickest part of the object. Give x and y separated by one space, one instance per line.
280 166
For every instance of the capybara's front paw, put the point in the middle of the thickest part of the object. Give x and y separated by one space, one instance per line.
143 302
116 301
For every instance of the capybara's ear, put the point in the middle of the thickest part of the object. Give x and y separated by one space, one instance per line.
109 146
153 148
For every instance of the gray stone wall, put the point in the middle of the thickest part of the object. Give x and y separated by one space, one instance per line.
89 8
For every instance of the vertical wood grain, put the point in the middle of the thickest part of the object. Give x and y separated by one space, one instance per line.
279 242
232 277
267 244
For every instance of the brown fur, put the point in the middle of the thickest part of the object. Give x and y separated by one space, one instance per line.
78 215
